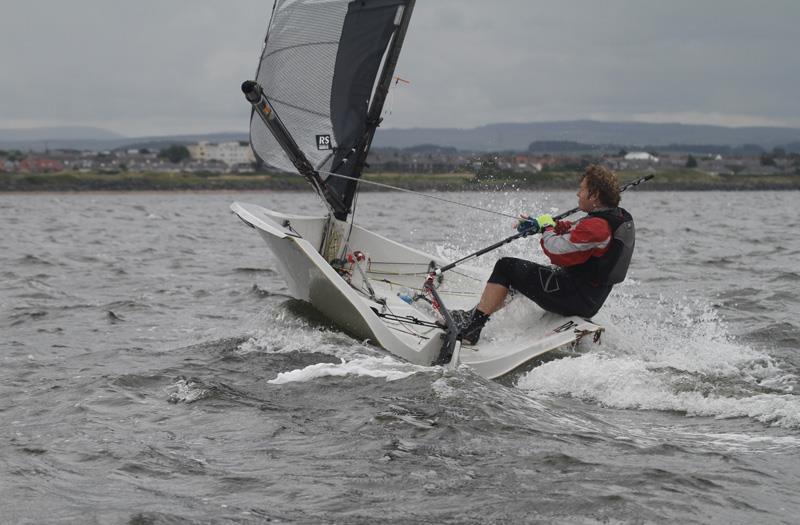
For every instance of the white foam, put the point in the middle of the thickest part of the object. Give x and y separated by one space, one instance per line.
628 383
513 322
444 388
743 442
671 355
283 332
379 367
185 391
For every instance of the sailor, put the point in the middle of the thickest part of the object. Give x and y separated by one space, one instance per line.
589 257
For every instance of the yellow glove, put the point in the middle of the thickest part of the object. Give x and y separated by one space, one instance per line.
545 220
529 226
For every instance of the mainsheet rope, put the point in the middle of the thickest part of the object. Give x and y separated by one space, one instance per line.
420 194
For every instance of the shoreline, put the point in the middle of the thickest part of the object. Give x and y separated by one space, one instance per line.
676 180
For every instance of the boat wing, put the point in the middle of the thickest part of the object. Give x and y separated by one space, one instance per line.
493 358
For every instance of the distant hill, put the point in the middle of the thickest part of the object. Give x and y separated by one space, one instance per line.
160 142
494 137
517 137
59 133
568 146
429 148
793 147
572 148
96 139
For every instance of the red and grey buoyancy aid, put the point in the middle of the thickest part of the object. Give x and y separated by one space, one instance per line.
611 267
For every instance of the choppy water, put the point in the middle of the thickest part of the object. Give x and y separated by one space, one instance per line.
154 371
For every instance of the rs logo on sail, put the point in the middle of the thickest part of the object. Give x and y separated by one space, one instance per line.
323 142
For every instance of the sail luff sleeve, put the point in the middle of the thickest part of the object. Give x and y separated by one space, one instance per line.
367 36
381 91
367 30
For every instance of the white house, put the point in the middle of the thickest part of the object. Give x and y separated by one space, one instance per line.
231 153
641 156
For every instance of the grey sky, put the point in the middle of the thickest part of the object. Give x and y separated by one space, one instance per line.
174 66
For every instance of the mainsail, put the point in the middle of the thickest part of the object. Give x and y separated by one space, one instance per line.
325 69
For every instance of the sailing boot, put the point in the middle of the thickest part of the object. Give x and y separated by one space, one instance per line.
461 317
469 324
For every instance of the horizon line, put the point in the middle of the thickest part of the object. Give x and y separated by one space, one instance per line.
122 136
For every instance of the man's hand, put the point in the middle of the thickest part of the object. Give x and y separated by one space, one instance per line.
526 223
562 227
529 225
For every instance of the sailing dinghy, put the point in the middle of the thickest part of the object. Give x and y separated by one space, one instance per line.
324 74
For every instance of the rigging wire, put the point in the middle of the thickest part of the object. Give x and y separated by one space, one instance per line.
387 112
420 194
359 180
352 218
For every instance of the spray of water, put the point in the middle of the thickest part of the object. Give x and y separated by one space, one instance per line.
675 354
282 331
379 367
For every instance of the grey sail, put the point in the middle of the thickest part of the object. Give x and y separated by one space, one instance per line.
325 69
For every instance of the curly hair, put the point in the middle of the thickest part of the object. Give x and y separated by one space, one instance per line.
603 182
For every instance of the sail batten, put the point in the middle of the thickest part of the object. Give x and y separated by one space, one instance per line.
322 69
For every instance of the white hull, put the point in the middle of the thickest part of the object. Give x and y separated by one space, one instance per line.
297 242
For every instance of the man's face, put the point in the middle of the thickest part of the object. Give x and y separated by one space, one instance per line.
586 202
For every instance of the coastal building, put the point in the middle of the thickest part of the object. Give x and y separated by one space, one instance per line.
527 163
641 156
230 153
40 165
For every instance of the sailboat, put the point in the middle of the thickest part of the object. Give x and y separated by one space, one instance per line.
324 74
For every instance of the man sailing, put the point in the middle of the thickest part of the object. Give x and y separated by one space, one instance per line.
590 256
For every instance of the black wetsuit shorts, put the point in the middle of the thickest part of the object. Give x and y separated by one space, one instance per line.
553 289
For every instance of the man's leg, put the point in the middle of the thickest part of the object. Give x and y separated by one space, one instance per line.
537 282
492 298
471 322
548 287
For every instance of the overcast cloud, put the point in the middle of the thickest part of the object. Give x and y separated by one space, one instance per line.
174 66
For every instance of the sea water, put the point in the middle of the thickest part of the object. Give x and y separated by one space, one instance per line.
153 369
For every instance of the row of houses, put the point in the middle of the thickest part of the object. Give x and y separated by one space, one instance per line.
31 165
713 164
217 158
203 157
228 153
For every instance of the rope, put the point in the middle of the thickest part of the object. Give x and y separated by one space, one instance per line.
420 194
410 319
443 292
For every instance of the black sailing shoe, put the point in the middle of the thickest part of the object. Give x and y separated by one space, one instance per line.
469 324
461 318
